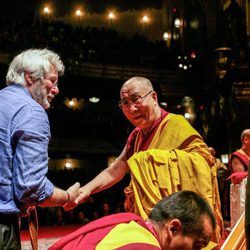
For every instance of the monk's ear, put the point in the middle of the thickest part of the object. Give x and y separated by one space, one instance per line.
154 95
29 79
174 228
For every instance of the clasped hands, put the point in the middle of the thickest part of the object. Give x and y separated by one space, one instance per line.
77 195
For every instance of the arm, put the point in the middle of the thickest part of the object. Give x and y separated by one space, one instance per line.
31 135
107 178
237 165
61 197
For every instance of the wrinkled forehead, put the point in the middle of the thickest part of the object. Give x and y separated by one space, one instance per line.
133 88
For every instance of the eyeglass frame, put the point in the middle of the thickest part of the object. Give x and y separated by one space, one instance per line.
120 103
55 84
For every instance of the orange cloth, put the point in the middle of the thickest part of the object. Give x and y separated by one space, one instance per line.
176 159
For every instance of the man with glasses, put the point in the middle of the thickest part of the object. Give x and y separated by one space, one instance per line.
24 137
164 154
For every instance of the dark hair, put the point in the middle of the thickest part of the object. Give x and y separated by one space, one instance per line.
186 206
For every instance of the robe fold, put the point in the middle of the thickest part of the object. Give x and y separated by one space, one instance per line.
124 231
176 159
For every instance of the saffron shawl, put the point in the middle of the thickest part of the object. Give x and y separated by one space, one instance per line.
176 159
117 231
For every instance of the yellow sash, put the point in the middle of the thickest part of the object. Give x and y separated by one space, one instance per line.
177 159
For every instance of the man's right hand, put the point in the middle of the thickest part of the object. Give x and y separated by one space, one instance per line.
73 192
83 196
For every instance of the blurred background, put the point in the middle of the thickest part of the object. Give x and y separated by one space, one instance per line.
196 53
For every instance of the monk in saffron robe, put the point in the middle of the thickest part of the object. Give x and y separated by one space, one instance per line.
164 154
182 220
239 160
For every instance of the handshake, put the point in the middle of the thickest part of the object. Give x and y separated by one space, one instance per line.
76 195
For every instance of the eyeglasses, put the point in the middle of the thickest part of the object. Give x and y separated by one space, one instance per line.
53 81
135 100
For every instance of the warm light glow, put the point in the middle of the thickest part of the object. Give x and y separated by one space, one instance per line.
78 13
74 103
111 16
166 36
68 165
177 23
46 10
71 103
145 19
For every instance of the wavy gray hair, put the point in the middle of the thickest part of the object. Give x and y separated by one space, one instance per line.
37 62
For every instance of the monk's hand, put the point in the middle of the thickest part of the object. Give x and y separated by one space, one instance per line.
84 195
73 192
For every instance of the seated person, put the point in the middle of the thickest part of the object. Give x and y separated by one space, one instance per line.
182 220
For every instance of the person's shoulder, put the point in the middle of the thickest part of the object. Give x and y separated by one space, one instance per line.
176 116
19 95
237 154
177 119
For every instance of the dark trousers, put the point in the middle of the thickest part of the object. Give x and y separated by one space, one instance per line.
247 211
9 232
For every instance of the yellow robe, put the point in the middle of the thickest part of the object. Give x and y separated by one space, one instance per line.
176 159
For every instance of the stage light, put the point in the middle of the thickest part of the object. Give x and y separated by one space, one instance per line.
94 99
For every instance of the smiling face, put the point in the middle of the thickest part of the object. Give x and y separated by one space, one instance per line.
44 89
142 108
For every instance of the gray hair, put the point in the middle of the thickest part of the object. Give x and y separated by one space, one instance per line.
37 62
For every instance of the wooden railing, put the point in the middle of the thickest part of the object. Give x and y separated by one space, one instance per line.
236 240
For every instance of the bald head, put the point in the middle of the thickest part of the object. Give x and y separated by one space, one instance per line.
139 103
141 82
245 133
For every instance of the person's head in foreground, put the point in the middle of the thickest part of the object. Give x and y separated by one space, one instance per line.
37 70
183 221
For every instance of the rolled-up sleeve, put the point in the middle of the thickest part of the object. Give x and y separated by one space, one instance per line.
31 135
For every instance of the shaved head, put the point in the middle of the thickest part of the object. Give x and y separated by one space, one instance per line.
142 82
245 133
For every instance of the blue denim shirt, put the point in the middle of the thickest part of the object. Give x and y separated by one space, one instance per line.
24 138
